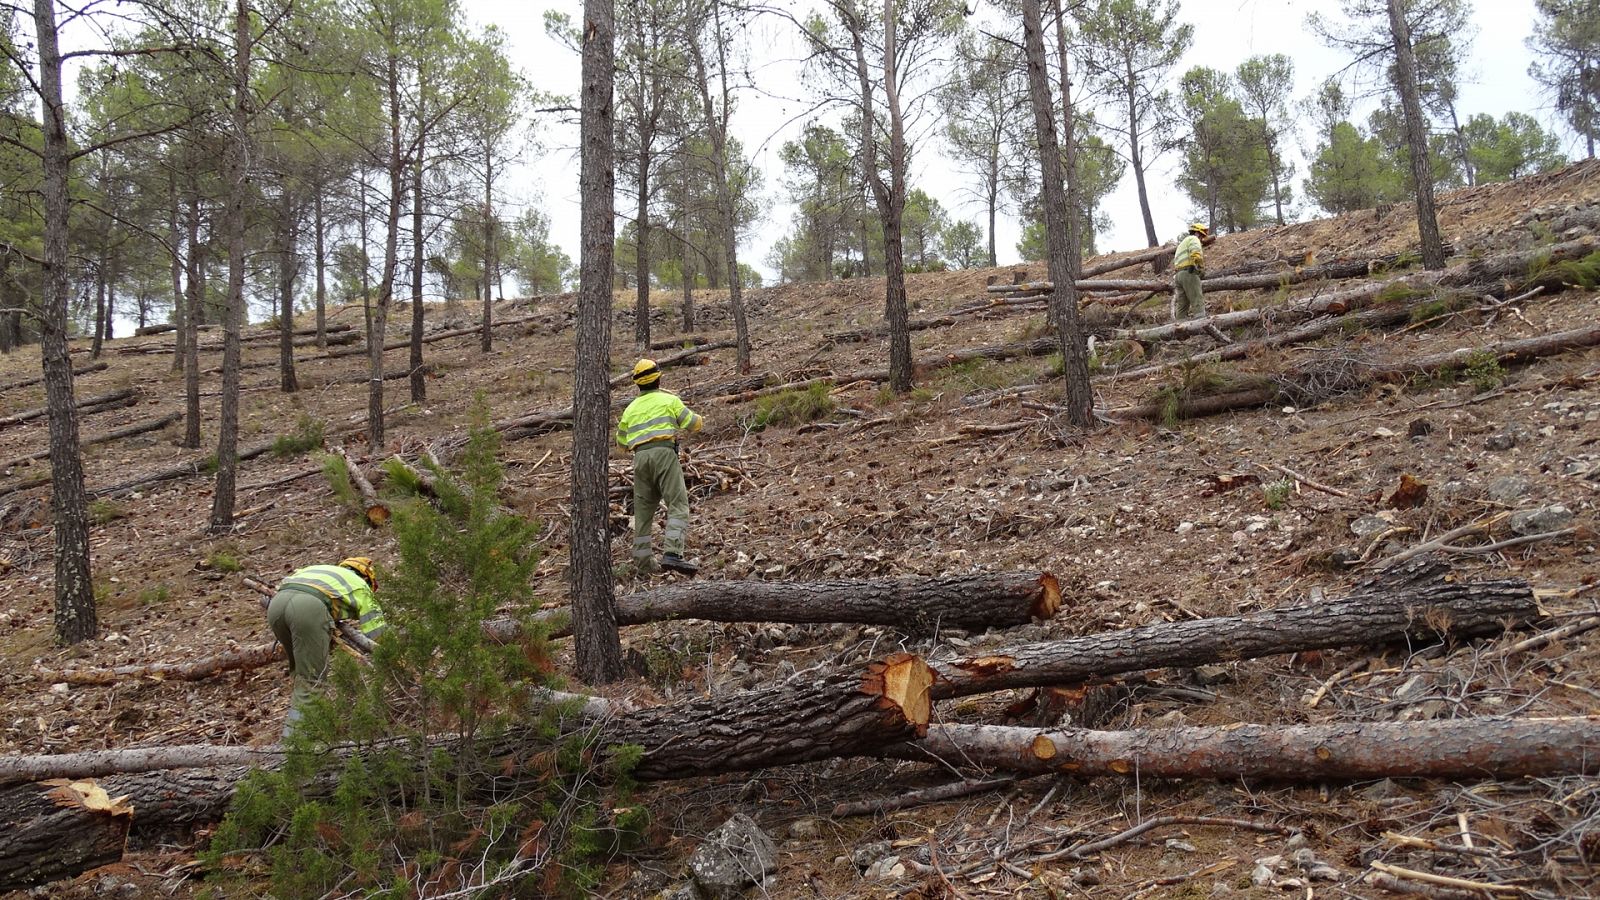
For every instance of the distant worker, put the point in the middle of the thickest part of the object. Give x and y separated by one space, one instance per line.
302 615
1188 301
649 429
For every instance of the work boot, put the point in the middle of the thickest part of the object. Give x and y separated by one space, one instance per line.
676 563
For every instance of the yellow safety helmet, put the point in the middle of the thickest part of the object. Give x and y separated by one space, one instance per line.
361 565
1200 229
646 372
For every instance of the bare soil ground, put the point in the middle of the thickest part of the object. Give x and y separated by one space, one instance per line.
1131 517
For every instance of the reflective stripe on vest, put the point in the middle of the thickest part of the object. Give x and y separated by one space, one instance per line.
655 416
336 583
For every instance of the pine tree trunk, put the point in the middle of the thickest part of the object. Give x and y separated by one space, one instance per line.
419 384
894 217
97 341
1058 213
1136 152
235 169
322 268
688 286
288 271
486 342
597 645
195 294
718 125
391 251
1417 138
111 296
641 253
180 316
75 606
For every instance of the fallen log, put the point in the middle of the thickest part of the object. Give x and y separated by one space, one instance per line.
1411 602
430 338
133 430
1456 748
61 828
375 510
96 403
842 714
39 379
198 466
194 670
686 340
678 358
920 603
148 330
1313 384
340 337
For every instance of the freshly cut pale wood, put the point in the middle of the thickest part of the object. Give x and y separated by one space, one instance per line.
376 511
193 670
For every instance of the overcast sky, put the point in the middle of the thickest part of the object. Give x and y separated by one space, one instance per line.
1226 33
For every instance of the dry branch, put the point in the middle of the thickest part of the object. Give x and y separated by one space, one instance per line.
193 670
136 428
1457 748
39 379
95 404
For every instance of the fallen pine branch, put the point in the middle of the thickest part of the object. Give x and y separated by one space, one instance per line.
937 794
194 670
133 430
39 379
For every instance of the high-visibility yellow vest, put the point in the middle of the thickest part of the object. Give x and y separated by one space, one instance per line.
1188 255
347 594
655 416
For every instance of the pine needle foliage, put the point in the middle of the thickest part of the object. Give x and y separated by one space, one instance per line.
428 769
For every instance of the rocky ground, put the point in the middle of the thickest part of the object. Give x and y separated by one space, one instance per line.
1143 523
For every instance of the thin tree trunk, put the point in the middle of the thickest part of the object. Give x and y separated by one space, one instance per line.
236 175
688 285
486 343
1136 152
75 606
111 295
1059 218
195 291
718 125
322 268
1417 137
894 248
288 271
598 647
391 251
180 315
641 252
97 342
419 382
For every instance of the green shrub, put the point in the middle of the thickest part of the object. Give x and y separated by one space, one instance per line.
307 435
1483 371
337 472
103 511
1276 494
224 559
156 593
515 781
796 406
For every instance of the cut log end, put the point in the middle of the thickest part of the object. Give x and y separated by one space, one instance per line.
903 680
1049 602
1043 748
377 514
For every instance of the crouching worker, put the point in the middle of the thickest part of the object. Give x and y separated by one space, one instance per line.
302 615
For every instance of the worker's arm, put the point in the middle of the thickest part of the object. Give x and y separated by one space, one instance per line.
689 420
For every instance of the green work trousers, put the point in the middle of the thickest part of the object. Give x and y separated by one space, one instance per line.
657 479
302 624
1188 301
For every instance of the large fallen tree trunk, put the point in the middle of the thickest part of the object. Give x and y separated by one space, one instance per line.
1456 748
60 828
343 336
1313 384
136 428
678 358
96 403
843 714
687 340
436 336
39 379
1411 602
376 511
981 600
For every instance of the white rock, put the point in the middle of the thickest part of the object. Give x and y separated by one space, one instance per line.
1185 527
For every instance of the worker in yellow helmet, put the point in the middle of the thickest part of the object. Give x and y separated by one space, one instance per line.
649 429
302 615
1188 301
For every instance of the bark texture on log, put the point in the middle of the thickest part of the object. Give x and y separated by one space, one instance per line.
975 601
194 670
39 379
1404 605
183 470
136 428
88 404
843 714
1457 748
678 358
376 511
58 829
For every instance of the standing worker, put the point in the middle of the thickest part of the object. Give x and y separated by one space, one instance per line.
302 615
649 429
1188 301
